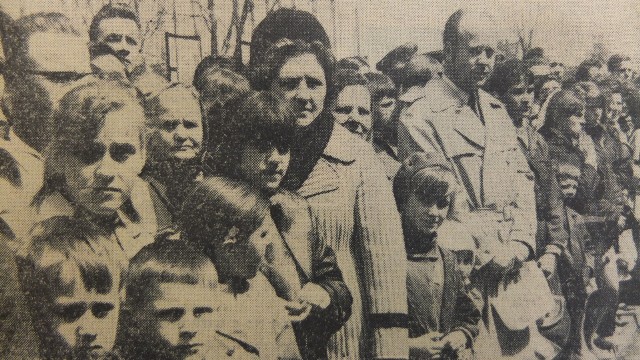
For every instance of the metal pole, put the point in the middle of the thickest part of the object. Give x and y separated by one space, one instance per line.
214 28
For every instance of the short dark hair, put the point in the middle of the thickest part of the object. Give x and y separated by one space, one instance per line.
615 61
507 74
262 73
217 204
260 118
582 73
110 11
343 78
18 33
62 250
167 261
210 64
380 85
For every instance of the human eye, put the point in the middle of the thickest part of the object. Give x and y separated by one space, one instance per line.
90 154
190 124
475 51
113 38
170 315
199 311
363 111
170 125
289 83
313 83
343 109
443 202
121 152
131 41
71 312
386 104
490 52
101 310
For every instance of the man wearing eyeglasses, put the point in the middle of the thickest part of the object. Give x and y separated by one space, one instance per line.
46 57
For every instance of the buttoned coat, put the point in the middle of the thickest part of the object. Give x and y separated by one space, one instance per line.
487 158
354 212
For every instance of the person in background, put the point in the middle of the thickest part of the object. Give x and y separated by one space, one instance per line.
574 269
384 98
620 68
232 224
589 70
350 102
261 157
115 45
217 84
357 63
341 177
175 309
443 320
512 83
46 57
73 277
557 71
93 162
174 132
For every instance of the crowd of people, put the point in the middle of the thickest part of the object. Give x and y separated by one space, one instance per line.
447 205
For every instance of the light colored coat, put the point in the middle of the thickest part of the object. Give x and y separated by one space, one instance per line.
355 213
488 162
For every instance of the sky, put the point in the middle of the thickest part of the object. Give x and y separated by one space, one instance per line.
566 29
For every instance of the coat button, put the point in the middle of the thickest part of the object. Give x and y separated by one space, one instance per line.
230 352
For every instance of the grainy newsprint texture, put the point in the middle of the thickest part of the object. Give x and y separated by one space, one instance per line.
319 179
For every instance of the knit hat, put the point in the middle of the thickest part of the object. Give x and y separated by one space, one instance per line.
286 23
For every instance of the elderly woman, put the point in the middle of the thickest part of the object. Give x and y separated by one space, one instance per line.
351 202
350 102
93 162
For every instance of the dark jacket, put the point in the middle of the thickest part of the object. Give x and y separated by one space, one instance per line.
17 337
316 263
457 312
562 150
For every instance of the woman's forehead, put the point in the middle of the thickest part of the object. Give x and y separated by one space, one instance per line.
302 65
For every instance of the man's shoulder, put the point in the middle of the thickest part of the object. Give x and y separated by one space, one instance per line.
438 94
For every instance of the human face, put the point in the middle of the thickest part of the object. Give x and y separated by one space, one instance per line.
383 110
54 64
557 70
241 258
569 188
425 216
471 62
576 123
549 88
100 174
122 36
352 109
264 165
177 321
176 134
625 71
301 81
83 323
518 100
614 108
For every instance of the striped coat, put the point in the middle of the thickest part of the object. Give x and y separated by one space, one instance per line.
354 210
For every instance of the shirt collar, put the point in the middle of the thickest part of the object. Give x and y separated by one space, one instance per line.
340 145
432 255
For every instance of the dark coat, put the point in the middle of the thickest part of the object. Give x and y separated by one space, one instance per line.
457 312
316 263
17 337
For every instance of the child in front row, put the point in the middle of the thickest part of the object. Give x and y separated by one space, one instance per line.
174 307
443 320
70 272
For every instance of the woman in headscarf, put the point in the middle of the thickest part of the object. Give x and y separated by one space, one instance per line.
339 174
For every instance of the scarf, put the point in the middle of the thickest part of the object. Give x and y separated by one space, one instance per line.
307 147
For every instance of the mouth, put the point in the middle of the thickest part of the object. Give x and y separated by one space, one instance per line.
107 189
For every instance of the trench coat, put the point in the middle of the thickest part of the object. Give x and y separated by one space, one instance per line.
354 212
487 160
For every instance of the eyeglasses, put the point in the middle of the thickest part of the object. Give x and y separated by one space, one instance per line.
59 76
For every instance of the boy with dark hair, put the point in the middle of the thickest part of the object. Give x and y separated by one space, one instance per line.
71 274
173 307
443 320
115 30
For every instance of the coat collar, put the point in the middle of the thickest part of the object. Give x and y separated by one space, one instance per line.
340 146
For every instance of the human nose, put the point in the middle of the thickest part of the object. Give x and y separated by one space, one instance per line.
86 334
303 91
180 134
107 167
188 328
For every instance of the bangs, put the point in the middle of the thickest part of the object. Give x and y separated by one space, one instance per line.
63 278
431 184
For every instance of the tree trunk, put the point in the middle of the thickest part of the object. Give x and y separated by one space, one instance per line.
214 28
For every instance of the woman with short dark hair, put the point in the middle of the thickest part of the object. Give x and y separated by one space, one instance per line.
339 174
